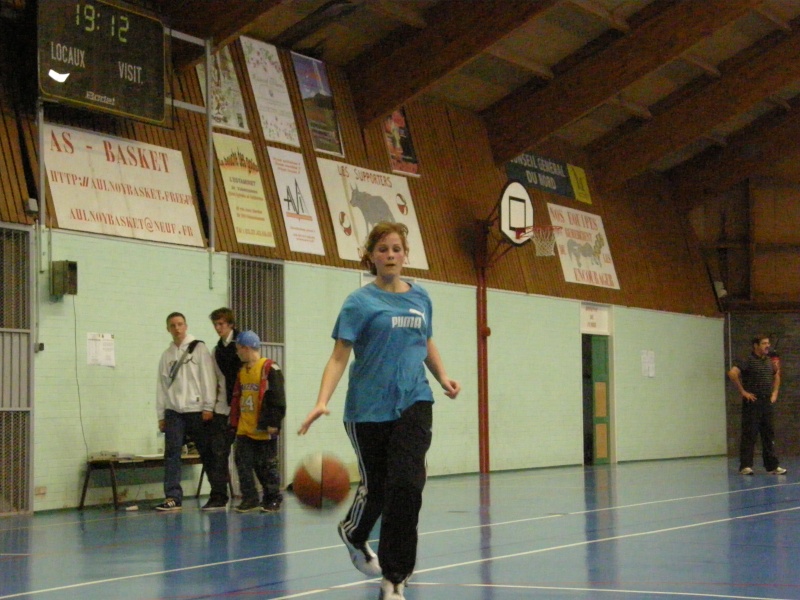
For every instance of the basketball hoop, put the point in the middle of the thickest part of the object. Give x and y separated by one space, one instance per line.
544 238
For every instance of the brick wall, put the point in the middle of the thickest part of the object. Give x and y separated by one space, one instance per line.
784 332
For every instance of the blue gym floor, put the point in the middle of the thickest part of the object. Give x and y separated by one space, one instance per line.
691 528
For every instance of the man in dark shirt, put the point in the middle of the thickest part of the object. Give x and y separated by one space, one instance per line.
758 379
222 436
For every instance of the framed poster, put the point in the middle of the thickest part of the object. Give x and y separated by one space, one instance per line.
402 156
312 76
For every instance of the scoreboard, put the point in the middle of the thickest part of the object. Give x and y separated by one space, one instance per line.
103 55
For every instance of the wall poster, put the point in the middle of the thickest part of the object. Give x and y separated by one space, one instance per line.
297 204
120 187
583 247
359 198
312 76
402 156
227 105
269 88
551 176
241 177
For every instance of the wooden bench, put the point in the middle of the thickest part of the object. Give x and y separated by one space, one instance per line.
114 464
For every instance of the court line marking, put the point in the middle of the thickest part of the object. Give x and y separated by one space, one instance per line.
154 514
576 545
594 589
606 509
431 569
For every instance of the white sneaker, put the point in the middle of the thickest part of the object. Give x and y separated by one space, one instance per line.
391 591
364 559
746 471
777 471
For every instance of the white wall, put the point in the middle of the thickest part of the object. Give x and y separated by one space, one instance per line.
535 383
681 411
535 387
125 288
314 296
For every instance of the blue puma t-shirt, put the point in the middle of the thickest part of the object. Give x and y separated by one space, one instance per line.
389 333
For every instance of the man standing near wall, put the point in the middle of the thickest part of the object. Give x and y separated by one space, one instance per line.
222 436
185 396
758 379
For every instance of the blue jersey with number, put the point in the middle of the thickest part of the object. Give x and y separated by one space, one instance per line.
389 333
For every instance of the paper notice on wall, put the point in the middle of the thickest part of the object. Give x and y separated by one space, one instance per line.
100 350
648 363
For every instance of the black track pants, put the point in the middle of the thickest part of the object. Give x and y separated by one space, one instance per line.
391 462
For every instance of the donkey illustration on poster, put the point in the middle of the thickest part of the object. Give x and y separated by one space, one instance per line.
373 208
577 250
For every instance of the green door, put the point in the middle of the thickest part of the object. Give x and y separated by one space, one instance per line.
600 411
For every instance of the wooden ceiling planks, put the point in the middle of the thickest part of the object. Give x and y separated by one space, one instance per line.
746 80
408 62
745 154
515 128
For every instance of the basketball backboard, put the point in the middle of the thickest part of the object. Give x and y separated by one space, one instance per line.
516 212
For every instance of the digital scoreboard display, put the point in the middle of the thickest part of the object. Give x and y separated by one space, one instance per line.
103 55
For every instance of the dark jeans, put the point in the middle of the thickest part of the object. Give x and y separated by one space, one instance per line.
391 462
177 426
757 420
259 457
222 437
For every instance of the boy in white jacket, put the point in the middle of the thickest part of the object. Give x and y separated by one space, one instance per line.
185 398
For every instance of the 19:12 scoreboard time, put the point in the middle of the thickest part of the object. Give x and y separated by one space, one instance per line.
102 55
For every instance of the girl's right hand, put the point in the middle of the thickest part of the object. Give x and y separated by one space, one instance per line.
315 414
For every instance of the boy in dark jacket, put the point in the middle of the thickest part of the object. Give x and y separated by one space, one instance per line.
257 411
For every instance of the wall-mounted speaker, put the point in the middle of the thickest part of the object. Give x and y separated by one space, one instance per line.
63 277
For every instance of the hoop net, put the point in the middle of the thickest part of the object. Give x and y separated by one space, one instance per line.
544 238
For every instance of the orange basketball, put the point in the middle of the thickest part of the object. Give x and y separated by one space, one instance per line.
321 481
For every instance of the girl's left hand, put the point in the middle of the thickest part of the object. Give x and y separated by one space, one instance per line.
451 388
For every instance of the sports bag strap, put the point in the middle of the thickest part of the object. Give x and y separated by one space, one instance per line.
173 372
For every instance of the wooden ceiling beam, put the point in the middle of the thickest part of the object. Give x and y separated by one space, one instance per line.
771 16
527 117
509 55
602 13
702 64
404 13
633 108
744 83
764 142
405 65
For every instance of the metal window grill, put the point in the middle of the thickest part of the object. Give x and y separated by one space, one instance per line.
15 482
15 369
14 275
257 302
